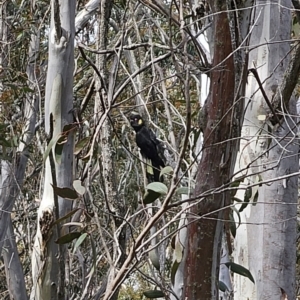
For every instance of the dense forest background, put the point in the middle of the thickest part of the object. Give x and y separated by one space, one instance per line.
217 82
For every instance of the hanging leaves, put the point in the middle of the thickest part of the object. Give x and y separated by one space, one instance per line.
166 170
68 238
184 190
223 287
153 191
153 294
66 193
238 269
79 241
154 259
247 196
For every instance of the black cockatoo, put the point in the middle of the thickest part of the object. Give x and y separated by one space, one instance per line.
151 148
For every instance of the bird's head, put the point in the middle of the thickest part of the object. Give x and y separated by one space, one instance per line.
136 122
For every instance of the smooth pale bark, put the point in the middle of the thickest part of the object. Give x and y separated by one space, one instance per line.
48 261
179 256
12 177
266 241
86 14
13 267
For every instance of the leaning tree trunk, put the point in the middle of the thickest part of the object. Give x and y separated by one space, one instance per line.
265 242
48 261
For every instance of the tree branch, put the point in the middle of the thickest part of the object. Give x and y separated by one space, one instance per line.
285 90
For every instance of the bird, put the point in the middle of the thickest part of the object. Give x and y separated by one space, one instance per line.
150 147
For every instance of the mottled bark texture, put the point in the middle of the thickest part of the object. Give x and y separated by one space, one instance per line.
205 229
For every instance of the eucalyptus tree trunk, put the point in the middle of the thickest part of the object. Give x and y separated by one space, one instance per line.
13 267
12 176
205 234
49 259
265 242
221 120
103 101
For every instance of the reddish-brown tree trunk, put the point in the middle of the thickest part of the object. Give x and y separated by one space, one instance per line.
205 229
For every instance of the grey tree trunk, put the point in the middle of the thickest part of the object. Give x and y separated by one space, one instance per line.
12 176
49 274
266 241
13 267
103 101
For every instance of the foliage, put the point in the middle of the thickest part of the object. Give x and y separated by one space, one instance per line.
154 66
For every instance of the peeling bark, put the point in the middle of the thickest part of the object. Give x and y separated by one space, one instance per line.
204 235
265 242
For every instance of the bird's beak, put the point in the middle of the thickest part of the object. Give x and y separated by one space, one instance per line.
140 122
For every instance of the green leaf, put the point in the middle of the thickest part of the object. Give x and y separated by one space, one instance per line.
247 196
68 128
235 184
78 224
154 259
150 197
81 144
26 89
238 214
94 252
59 146
20 36
50 145
91 272
184 190
77 185
63 136
152 294
260 180
174 270
166 170
79 241
255 198
68 238
223 287
15 141
65 193
178 253
237 199
238 269
153 191
68 215
157 187
232 225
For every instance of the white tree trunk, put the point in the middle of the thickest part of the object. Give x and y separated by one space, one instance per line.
266 241
48 259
